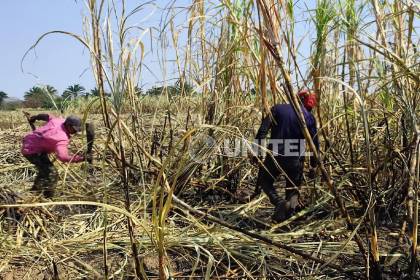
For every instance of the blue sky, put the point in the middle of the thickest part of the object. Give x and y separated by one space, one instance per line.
59 60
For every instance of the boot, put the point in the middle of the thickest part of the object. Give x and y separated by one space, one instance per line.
294 203
281 211
256 193
50 183
280 205
48 192
37 186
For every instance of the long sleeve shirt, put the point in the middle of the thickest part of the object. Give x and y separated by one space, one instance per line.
50 138
284 126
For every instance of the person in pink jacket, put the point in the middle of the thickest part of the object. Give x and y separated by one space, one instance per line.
53 137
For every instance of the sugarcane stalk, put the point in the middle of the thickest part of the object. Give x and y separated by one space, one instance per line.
274 49
413 203
127 202
95 14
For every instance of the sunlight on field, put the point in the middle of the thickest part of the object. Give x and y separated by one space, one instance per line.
157 195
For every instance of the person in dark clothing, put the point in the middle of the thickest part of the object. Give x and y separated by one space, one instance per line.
287 153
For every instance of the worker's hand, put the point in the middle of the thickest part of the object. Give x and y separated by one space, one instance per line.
32 119
78 157
312 173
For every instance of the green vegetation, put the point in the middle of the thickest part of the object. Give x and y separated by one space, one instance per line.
40 97
74 91
3 95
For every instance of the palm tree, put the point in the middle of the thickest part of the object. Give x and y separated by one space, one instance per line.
138 90
40 97
50 90
3 95
73 91
94 92
155 91
35 97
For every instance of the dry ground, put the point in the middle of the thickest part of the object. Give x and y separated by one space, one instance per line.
64 240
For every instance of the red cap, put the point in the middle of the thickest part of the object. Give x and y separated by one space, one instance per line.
309 98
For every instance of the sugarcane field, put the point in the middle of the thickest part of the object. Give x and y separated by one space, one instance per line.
225 139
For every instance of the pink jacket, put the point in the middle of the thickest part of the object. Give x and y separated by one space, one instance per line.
50 138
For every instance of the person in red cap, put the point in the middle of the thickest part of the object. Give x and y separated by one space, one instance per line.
308 99
287 153
52 137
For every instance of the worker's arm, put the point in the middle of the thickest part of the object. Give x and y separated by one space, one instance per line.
62 153
40 117
265 127
314 135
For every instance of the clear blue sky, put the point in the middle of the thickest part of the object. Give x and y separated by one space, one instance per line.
59 60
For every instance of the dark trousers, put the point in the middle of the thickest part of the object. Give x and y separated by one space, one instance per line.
47 176
292 169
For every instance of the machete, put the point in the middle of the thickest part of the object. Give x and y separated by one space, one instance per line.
90 137
28 118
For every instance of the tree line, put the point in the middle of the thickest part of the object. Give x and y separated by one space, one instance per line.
47 97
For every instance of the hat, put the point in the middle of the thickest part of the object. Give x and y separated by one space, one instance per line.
308 97
74 122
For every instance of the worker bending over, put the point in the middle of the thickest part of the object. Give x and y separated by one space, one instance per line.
286 154
53 137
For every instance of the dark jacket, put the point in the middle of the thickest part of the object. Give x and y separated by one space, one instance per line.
284 126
